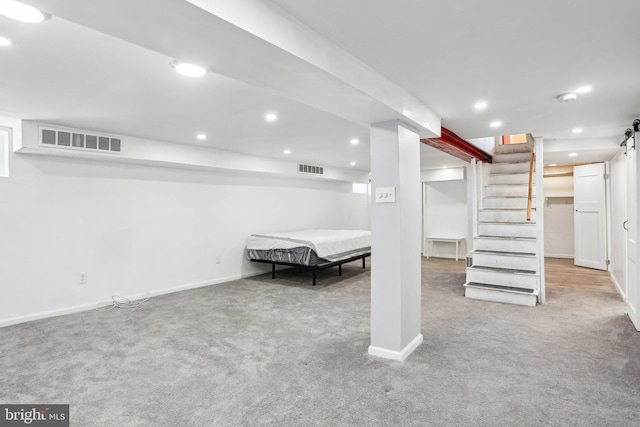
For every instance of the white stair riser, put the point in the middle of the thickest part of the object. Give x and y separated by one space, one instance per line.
517 190
511 158
509 168
505 261
524 281
499 296
489 244
506 215
512 148
512 202
507 230
516 178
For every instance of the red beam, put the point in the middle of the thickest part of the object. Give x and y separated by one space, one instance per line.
452 144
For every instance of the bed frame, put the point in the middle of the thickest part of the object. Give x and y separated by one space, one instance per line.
315 268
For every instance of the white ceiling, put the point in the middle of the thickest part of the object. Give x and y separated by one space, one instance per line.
516 55
104 66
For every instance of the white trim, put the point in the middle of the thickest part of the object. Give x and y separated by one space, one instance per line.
566 256
607 212
632 315
618 287
396 355
87 307
424 219
539 181
472 203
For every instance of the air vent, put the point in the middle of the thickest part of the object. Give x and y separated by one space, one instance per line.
79 140
309 169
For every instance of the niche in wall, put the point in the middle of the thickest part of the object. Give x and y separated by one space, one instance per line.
558 212
445 215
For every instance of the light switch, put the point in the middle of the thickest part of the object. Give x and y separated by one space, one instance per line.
385 194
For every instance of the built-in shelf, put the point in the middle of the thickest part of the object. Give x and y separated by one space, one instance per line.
558 201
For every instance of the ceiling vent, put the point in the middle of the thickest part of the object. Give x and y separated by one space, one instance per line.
311 170
79 140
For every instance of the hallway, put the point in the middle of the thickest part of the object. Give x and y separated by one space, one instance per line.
562 273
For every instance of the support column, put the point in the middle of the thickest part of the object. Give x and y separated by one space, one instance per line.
396 241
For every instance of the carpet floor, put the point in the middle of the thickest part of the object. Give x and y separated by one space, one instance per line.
262 352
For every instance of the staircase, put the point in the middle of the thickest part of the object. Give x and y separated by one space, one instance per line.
504 265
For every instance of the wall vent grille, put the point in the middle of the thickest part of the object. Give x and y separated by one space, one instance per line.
79 140
309 169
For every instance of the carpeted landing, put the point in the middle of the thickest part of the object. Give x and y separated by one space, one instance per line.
283 353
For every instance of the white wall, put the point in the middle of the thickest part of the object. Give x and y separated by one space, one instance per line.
138 229
4 152
445 214
618 215
558 217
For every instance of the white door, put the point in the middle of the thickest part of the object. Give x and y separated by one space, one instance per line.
590 243
633 294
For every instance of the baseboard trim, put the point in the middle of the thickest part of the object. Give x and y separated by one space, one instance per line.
87 307
618 286
633 316
563 256
396 355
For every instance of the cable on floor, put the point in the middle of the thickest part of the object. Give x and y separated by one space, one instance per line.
121 302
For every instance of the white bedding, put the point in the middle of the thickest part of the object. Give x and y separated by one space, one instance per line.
328 244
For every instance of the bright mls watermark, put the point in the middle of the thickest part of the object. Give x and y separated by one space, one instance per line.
34 415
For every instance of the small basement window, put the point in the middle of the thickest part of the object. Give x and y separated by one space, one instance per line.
360 188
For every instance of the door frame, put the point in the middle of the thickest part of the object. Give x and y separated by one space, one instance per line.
633 192
598 260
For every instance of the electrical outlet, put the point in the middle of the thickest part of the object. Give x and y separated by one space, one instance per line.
82 278
218 259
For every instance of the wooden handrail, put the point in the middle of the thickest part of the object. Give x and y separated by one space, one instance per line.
530 197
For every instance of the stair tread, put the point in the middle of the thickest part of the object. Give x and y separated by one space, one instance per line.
508 222
505 209
509 197
502 269
491 236
509 173
511 253
502 288
518 147
508 163
484 236
520 184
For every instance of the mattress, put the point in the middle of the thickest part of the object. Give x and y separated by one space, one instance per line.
309 247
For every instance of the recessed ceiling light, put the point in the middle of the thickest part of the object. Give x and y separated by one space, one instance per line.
584 89
480 105
5 41
201 136
553 164
573 154
354 141
189 70
352 163
271 117
495 124
287 151
21 12
576 130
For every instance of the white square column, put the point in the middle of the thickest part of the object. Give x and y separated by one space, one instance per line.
396 209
